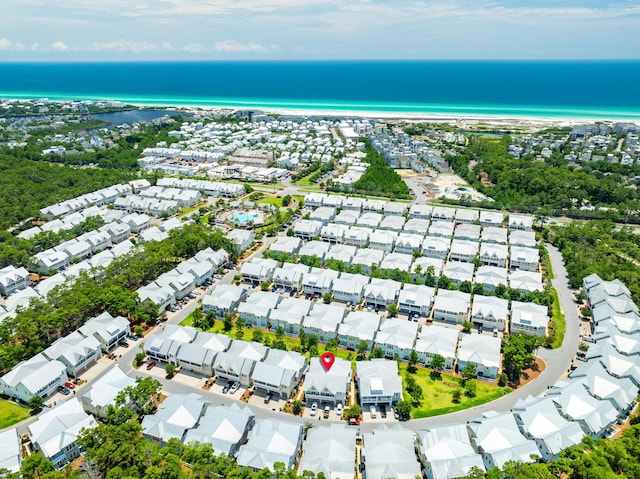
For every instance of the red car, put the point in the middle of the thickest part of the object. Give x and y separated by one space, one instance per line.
151 365
69 385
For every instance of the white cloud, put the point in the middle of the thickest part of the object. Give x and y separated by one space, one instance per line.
5 44
125 46
193 48
59 46
232 46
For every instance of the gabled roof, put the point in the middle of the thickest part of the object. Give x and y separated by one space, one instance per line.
174 416
480 349
330 450
104 390
448 451
438 340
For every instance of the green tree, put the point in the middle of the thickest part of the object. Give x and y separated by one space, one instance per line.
139 359
412 361
470 388
438 362
35 404
469 371
227 323
296 407
265 285
170 369
36 466
327 298
353 411
376 353
392 310
466 326
362 350
404 410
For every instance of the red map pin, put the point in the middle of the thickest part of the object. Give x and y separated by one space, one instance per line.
327 359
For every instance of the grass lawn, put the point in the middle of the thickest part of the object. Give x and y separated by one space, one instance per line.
271 201
438 394
11 413
557 320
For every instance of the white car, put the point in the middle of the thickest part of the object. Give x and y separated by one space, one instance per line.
314 408
373 412
234 387
339 409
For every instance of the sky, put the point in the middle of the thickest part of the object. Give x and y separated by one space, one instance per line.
149 30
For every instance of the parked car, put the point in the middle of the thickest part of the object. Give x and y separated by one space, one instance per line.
151 365
326 412
373 412
383 412
226 387
123 343
339 410
354 421
396 414
314 408
234 387
69 385
64 390
267 398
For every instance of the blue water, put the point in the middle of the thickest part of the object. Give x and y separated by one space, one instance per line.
505 88
244 217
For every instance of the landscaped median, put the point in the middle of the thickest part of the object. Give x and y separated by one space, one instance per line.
11 413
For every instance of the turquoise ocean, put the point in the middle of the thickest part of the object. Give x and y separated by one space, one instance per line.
547 89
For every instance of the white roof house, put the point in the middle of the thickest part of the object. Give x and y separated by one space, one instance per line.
446 452
356 327
271 441
330 450
13 279
341 252
369 220
409 242
258 270
323 321
348 218
289 245
389 454
106 329
10 450
417 226
539 420
395 208
289 314
529 318
520 222
436 247
524 258
618 365
525 281
319 281
163 345
202 271
396 337
497 437
216 258
415 299
378 382
367 259
290 276
463 250
224 427
174 416
443 213
437 340
307 229
324 386
576 404
394 223
161 295
383 240
481 350
420 211
314 248
272 378
357 236
451 306
243 239
422 264
37 376
224 299
491 218
491 234
55 432
238 362
526 239
198 355
380 293
51 260
458 272
324 214
490 311
333 232
625 343
181 283
490 277
255 310
75 351
464 215
494 254
443 229
467 232
601 385
349 288
399 261
104 391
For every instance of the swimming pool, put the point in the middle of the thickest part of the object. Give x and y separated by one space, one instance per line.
245 217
